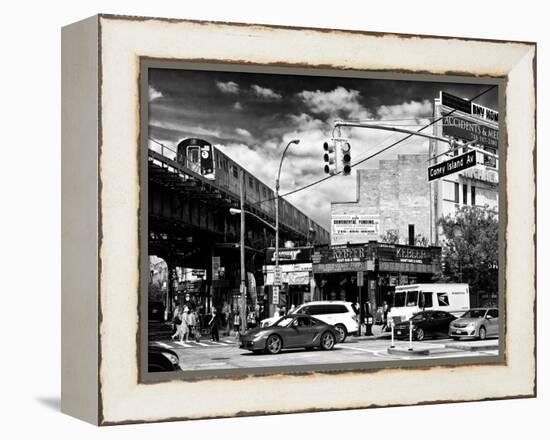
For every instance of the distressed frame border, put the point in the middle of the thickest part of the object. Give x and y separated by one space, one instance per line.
122 399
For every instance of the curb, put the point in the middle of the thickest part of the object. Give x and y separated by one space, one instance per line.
413 351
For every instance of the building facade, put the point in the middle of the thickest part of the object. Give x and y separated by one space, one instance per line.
476 185
392 200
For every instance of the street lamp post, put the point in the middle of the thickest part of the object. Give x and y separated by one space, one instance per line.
243 269
293 141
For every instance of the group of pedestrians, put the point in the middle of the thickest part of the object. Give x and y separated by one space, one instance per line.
187 325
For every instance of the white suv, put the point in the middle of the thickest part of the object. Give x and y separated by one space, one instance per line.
341 314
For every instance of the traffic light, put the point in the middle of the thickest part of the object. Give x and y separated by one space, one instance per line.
346 157
330 157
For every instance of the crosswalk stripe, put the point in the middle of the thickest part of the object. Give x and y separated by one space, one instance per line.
201 344
183 344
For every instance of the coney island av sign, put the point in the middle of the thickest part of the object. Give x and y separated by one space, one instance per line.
451 166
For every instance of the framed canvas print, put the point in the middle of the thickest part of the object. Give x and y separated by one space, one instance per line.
262 220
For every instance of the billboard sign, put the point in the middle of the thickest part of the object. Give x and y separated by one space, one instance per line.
460 128
354 228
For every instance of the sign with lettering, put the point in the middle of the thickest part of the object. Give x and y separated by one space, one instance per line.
275 295
289 255
461 128
469 107
451 166
354 228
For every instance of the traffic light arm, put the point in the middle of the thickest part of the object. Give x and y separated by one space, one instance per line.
341 123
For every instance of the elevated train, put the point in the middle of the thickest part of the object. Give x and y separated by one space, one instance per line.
201 157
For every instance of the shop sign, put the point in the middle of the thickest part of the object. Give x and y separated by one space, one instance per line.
466 130
469 107
290 255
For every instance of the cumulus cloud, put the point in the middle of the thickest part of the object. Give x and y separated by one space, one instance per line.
339 102
229 87
237 106
243 132
265 93
154 93
411 109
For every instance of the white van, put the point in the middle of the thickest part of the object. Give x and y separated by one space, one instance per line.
408 300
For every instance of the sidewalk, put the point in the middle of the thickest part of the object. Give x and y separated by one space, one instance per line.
376 334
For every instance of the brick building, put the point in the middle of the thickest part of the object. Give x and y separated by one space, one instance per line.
393 198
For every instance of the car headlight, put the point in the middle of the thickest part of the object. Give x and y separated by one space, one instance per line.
259 335
171 357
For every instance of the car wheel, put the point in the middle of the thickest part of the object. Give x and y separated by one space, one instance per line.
482 333
419 334
273 344
327 341
341 333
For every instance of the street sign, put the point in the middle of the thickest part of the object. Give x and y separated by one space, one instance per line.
360 278
451 166
277 277
275 295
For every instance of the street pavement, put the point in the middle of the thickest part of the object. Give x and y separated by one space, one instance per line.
208 354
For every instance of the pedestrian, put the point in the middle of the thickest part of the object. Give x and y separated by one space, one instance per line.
277 312
213 324
176 320
385 310
251 319
237 322
184 333
192 322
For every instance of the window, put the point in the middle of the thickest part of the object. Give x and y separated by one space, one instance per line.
493 313
250 182
235 172
473 197
412 298
456 192
490 161
465 194
427 299
443 299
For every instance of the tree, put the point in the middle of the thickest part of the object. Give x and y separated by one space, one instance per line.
391 236
470 248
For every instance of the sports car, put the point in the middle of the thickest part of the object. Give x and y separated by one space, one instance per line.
290 331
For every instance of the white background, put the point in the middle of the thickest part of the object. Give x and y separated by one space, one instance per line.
30 220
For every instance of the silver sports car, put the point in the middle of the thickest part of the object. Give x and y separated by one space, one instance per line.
290 331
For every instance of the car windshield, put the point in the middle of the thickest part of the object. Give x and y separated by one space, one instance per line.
475 313
283 322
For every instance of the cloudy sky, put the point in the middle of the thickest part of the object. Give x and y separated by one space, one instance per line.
251 117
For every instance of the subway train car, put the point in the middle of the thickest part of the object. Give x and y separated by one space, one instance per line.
200 156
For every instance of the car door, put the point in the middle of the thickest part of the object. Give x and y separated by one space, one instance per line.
440 325
300 332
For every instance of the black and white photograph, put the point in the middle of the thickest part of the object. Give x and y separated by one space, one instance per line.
310 220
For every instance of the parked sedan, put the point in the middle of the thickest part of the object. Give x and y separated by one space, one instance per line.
427 323
476 323
290 331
